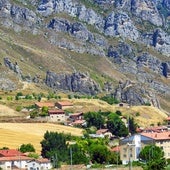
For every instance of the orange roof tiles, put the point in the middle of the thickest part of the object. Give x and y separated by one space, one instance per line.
56 111
78 122
65 103
101 131
158 136
10 152
42 160
76 114
47 104
14 158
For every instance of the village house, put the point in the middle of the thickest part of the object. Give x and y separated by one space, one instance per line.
104 132
162 140
130 147
77 119
14 162
56 115
80 123
157 129
38 164
64 105
12 159
39 105
76 116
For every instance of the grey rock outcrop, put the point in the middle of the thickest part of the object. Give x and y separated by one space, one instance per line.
166 69
76 82
7 85
159 39
120 24
144 9
88 42
148 61
17 17
134 94
13 66
126 92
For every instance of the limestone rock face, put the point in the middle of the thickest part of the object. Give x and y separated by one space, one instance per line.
132 36
134 94
17 17
120 24
76 82
145 9
13 66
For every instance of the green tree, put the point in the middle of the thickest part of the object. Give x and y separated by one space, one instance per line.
33 114
154 156
94 119
44 111
27 148
54 143
99 153
78 155
116 125
33 155
132 125
109 99
114 158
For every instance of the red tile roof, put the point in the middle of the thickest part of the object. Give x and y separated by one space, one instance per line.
168 118
10 152
115 149
101 131
56 111
42 160
65 103
76 114
15 158
156 129
78 122
47 104
158 136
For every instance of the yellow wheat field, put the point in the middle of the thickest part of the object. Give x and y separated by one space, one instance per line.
13 135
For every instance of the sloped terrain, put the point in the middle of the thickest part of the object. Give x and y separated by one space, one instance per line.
14 135
94 47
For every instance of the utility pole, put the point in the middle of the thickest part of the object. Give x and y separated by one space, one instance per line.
71 160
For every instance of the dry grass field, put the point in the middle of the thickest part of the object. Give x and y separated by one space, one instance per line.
13 135
143 115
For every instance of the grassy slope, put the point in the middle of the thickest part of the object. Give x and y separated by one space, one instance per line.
148 114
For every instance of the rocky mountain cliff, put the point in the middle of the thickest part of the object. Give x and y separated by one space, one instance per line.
133 36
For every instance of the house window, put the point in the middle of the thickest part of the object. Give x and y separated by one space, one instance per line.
58 120
124 149
131 155
124 155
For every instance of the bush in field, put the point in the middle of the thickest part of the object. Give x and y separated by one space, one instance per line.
18 108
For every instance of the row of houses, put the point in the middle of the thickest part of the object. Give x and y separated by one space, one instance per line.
12 159
56 113
131 146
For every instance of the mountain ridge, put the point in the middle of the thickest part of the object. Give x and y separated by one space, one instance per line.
129 39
